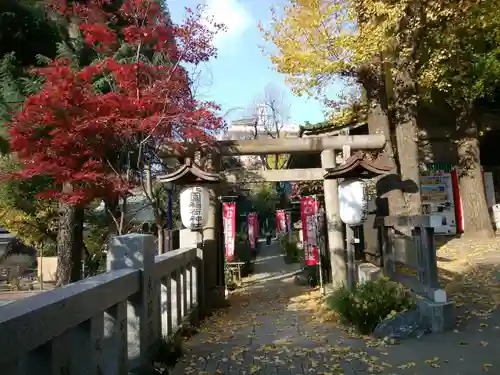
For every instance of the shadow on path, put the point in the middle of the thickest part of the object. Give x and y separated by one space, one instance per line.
272 327
267 330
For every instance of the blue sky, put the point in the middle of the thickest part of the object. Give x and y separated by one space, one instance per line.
240 74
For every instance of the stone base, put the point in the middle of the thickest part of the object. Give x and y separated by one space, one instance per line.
190 238
215 298
440 316
368 272
330 288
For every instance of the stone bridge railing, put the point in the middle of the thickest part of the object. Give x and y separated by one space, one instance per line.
107 324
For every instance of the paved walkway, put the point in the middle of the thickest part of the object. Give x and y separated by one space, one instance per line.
273 327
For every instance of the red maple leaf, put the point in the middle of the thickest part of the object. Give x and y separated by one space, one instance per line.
70 128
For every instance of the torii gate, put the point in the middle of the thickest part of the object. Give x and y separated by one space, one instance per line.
327 145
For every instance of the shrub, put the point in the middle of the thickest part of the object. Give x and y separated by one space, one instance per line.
243 253
370 303
241 236
289 247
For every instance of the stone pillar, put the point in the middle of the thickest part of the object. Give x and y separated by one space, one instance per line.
334 224
143 310
212 250
213 254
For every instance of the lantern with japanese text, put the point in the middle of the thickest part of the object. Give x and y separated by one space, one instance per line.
353 201
194 203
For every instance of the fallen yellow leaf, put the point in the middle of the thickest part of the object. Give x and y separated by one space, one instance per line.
407 365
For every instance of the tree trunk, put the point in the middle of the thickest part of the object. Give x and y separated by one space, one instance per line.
153 201
477 220
397 193
69 243
407 137
389 196
161 234
406 130
402 90
389 199
113 217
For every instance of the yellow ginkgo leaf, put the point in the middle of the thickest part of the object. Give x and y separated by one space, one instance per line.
407 365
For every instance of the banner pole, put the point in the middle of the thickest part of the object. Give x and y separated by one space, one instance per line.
318 245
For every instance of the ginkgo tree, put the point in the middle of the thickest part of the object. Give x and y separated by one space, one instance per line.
132 97
406 54
319 41
460 67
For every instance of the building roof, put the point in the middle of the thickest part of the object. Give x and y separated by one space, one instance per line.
347 118
327 128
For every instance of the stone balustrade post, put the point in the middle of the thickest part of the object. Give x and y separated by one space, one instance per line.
143 309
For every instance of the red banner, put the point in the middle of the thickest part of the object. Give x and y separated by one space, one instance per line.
252 229
229 218
280 221
308 210
277 221
257 225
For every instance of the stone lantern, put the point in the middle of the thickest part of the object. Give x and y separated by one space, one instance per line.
194 196
198 179
353 198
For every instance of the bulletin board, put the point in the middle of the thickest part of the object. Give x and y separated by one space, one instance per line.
437 199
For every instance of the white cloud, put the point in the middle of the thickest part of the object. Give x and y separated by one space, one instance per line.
232 14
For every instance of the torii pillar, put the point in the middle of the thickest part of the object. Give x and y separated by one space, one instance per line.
335 235
325 145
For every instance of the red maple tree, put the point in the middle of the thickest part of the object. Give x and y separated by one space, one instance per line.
68 130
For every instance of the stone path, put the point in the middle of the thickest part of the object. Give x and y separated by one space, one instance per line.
271 329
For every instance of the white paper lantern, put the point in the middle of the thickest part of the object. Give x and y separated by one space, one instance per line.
194 203
353 201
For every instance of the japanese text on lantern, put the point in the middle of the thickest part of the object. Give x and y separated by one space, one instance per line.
195 207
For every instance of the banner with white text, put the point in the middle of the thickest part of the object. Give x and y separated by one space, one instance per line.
229 218
308 212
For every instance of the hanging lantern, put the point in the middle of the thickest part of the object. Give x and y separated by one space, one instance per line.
194 202
353 201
